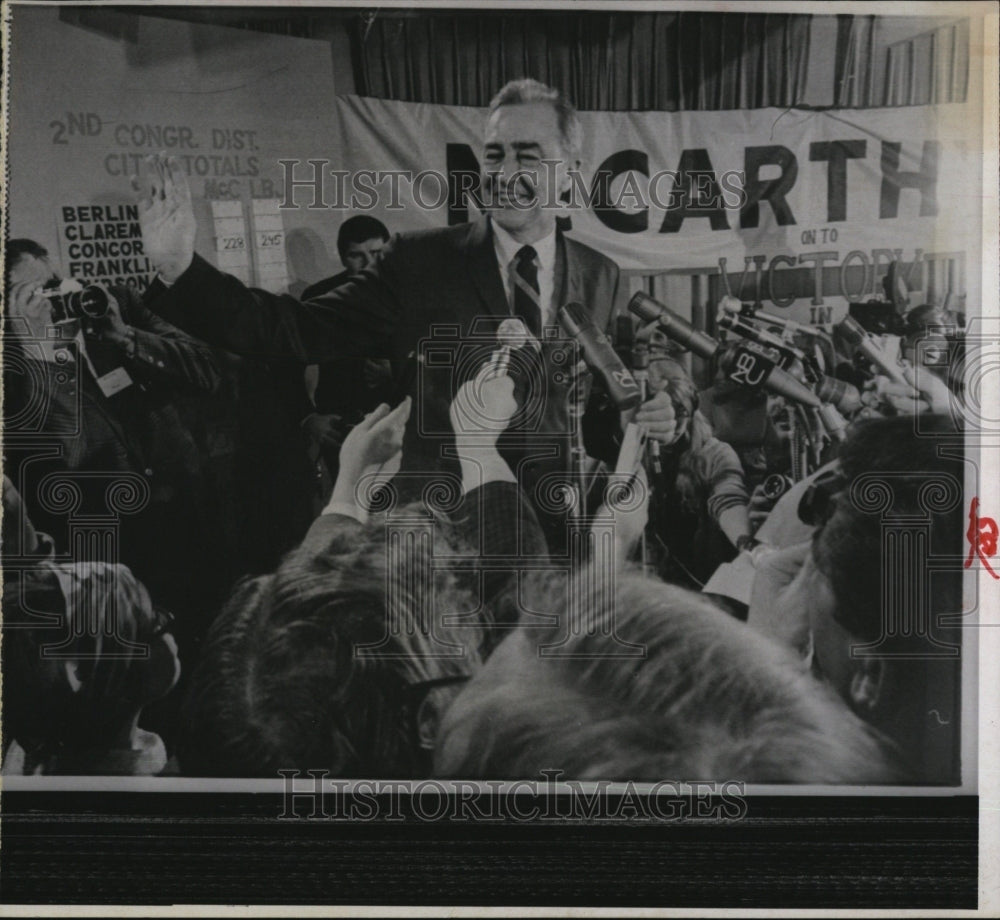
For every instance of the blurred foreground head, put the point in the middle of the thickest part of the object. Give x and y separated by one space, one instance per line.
884 576
72 692
284 683
709 700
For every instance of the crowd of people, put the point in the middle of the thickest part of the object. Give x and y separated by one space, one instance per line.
494 584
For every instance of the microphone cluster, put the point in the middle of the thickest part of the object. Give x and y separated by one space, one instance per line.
758 361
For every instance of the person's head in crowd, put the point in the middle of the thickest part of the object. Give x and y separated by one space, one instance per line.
27 261
28 269
708 699
895 684
330 663
529 127
925 338
360 241
73 693
880 643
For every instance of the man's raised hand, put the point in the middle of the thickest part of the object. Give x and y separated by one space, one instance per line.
166 215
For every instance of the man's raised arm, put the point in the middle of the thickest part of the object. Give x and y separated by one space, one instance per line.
354 321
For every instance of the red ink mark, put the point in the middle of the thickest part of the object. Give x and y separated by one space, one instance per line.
982 536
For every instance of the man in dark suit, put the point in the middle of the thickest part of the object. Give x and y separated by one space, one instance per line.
360 242
348 388
438 296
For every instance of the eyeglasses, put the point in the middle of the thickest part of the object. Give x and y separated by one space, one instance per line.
163 622
422 728
818 503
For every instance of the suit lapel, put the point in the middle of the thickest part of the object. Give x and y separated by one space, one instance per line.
483 268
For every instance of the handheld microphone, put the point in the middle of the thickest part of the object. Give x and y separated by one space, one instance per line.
672 325
858 339
600 357
840 393
750 365
512 334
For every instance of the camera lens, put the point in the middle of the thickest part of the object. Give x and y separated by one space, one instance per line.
91 302
775 486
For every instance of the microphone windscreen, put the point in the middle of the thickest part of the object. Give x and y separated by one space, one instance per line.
512 332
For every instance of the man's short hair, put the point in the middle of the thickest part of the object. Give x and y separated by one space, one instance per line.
15 249
281 684
709 699
360 229
526 90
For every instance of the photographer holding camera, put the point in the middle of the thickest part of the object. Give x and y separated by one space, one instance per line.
93 374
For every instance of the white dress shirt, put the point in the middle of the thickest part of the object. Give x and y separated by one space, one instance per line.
507 248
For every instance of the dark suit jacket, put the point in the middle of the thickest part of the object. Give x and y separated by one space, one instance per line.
59 420
436 294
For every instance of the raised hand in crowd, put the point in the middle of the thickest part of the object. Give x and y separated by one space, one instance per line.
761 505
626 507
926 393
784 590
479 413
166 215
28 309
373 447
657 416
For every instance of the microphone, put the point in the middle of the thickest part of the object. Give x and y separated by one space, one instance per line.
674 326
840 393
753 367
512 334
749 365
858 339
600 357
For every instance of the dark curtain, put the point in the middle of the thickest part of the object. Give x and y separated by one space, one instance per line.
603 61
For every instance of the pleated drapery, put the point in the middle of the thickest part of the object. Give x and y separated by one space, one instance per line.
678 61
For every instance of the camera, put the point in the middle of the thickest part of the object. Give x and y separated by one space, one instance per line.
776 485
71 300
451 355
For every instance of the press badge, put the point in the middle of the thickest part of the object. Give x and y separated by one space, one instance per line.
114 381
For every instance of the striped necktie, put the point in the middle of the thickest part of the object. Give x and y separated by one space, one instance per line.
527 299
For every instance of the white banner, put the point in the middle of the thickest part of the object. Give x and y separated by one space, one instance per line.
807 207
